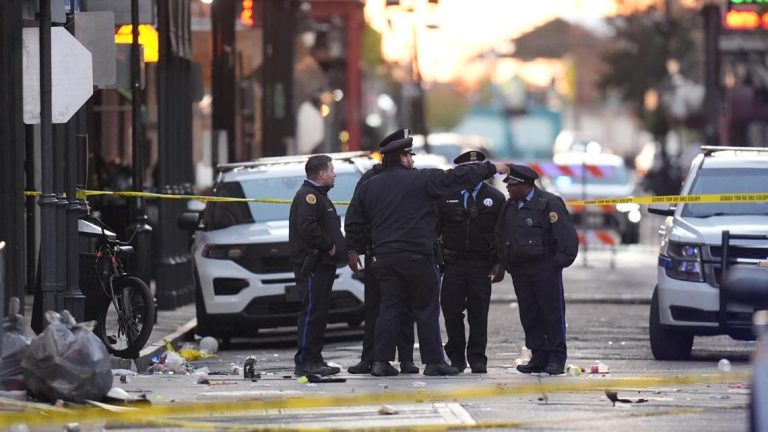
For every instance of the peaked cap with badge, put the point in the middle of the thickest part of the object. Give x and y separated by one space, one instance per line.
398 141
520 174
471 156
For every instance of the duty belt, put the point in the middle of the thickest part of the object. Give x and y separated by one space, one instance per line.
467 255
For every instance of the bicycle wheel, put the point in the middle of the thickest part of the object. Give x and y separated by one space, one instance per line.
126 322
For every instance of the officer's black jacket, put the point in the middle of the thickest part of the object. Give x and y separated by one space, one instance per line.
398 205
314 224
362 237
464 230
541 229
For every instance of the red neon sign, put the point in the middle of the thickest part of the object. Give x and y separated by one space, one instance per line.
246 15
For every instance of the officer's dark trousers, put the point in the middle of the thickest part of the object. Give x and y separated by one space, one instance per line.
314 312
372 305
539 290
466 286
409 282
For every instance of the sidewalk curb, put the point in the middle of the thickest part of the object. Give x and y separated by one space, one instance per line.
636 300
145 356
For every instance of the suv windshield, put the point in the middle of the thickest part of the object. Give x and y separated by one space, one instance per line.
728 181
285 188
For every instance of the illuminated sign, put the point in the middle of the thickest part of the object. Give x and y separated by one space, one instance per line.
148 38
746 15
246 14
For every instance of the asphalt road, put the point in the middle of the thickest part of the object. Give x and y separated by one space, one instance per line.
607 320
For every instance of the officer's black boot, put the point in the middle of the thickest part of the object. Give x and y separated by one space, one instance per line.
535 365
440 369
408 367
554 368
364 367
383 369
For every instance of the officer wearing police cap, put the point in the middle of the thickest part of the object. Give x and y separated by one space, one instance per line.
537 240
397 207
466 223
372 301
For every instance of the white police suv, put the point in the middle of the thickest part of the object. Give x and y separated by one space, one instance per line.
244 277
686 301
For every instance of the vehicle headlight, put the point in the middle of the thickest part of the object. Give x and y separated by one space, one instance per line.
682 261
230 252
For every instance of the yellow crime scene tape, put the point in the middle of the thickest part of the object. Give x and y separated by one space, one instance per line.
662 199
34 416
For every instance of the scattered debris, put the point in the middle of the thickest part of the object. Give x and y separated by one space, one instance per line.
599 368
249 368
203 380
724 365
387 410
209 345
574 370
613 396
418 384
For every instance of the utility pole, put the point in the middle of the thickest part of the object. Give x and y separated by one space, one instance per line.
139 231
12 160
49 284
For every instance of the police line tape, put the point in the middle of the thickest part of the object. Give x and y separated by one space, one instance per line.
39 415
662 199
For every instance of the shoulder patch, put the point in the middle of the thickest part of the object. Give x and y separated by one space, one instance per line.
552 217
311 198
488 202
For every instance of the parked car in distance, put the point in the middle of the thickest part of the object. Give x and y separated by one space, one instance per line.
687 300
585 176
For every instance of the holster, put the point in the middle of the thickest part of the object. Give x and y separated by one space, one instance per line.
309 261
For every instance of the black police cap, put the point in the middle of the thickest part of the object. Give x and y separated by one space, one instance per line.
469 157
520 174
398 141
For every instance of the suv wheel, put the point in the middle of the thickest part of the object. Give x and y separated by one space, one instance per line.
666 343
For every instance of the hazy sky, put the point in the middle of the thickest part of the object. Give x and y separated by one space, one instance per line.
466 27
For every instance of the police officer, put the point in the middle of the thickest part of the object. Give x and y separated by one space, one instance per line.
537 240
317 246
466 224
397 206
405 336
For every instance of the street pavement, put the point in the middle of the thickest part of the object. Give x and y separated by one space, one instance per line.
607 300
607 320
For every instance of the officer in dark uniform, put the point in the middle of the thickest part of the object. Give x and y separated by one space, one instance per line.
466 224
317 246
397 206
537 240
405 337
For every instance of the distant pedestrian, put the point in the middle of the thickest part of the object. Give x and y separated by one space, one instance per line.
537 240
466 224
317 246
397 206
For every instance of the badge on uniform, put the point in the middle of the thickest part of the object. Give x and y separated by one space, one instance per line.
552 217
528 221
311 198
488 202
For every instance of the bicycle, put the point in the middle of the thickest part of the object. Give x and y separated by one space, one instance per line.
125 310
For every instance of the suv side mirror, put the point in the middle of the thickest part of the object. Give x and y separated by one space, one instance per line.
189 221
661 210
747 284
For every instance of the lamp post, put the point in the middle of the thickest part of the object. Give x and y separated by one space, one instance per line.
139 231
